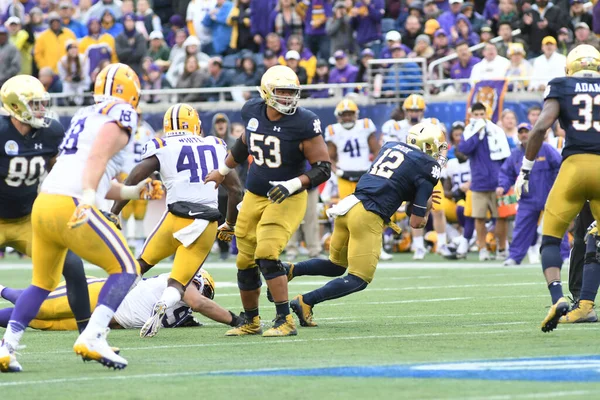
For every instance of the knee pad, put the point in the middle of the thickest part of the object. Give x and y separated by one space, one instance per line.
271 269
550 251
355 283
249 279
73 267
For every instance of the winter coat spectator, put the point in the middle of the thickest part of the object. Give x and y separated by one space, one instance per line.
285 20
260 19
270 59
563 41
448 19
292 60
507 12
101 6
392 38
247 75
363 67
462 68
191 78
583 35
274 43
17 9
110 24
577 14
83 11
66 10
422 47
21 40
307 60
131 45
177 49
239 19
412 29
217 78
97 46
197 10
462 31
315 14
366 21
542 20
216 21
519 71
491 67
36 25
477 21
344 71
321 77
402 79
339 30
177 23
157 48
151 21
431 10
73 71
505 33
154 80
548 66
51 83
10 58
191 46
50 45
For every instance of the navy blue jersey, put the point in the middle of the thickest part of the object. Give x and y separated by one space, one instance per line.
399 173
23 160
579 116
275 145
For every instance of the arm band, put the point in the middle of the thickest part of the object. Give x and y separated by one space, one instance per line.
353 176
319 173
239 151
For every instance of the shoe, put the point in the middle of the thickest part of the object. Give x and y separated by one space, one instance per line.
419 253
247 327
558 309
484 255
289 270
303 311
463 248
501 255
509 262
444 251
283 326
384 256
8 359
153 324
94 347
116 350
533 254
582 311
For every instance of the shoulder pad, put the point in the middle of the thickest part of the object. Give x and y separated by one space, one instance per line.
215 140
369 125
329 132
152 147
312 123
121 113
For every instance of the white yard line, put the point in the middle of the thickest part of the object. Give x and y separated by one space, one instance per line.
545 395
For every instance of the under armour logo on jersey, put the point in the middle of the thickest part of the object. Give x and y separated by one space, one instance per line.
277 128
317 126
436 172
37 146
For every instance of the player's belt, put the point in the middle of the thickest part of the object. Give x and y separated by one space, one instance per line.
186 209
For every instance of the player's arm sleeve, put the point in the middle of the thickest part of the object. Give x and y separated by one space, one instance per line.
553 90
424 192
57 134
123 115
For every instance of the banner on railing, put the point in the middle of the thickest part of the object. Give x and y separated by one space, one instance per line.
491 94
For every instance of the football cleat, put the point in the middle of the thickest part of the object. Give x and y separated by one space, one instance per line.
246 327
509 262
283 326
96 348
385 256
289 269
582 311
558 309
444 251
484 255
501 255
303 311
116 350
8 358
419 253
153 324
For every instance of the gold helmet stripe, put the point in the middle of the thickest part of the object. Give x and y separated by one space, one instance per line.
110 79
175 117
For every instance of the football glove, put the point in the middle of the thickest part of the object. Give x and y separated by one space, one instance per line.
592 230
80 216
225 232
147 189
522 183
281 190
112 218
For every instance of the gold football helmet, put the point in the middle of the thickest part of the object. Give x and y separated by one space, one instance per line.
117 82
280 89
346 112
25 99
583 60
182 119
414 107
205 281
430 139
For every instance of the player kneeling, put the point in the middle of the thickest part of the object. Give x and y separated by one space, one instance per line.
189 227
401 172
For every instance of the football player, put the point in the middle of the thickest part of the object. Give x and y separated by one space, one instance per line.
414 109
400 172
281 137
64 216
350 142
189 226
136 308
137 208
573 100
31 143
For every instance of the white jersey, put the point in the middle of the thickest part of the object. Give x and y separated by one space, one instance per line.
352 144
185 160
396 131
137 306
458 172
134 153
66 177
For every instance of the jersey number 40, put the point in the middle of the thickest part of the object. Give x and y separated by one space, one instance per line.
195 161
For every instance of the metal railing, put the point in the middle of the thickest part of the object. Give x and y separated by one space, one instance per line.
391 80
515 85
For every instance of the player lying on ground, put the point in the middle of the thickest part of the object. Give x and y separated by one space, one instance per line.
401 172
136 308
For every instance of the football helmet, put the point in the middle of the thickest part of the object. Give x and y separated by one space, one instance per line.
182 119
414 107
25 99
346 112
205 282
583 60
117 82
430 139
280 78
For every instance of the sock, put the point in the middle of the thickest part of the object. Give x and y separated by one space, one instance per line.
11 294
114 290
555 289
469 228
26 308
460 215
339 287
441 239
139 229
77 290
317 266
283 308
170 296
100 319
251 313
591 281
419 242
5 316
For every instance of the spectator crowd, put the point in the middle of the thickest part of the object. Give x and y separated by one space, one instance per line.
224 43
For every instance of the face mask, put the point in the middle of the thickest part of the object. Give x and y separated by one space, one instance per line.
348 125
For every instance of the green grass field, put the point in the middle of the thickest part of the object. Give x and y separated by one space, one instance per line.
412 313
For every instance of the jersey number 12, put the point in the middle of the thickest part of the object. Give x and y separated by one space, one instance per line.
389 161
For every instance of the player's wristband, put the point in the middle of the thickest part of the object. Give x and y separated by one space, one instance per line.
224 169
130 192
527 165
89 197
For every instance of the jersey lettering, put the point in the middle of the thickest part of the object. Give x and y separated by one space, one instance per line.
187 161
261 144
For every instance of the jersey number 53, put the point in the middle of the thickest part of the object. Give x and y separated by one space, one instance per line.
261 144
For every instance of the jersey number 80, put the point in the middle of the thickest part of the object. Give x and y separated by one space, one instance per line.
21 170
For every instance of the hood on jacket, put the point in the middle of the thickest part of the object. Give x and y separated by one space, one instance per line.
229 140
463 17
